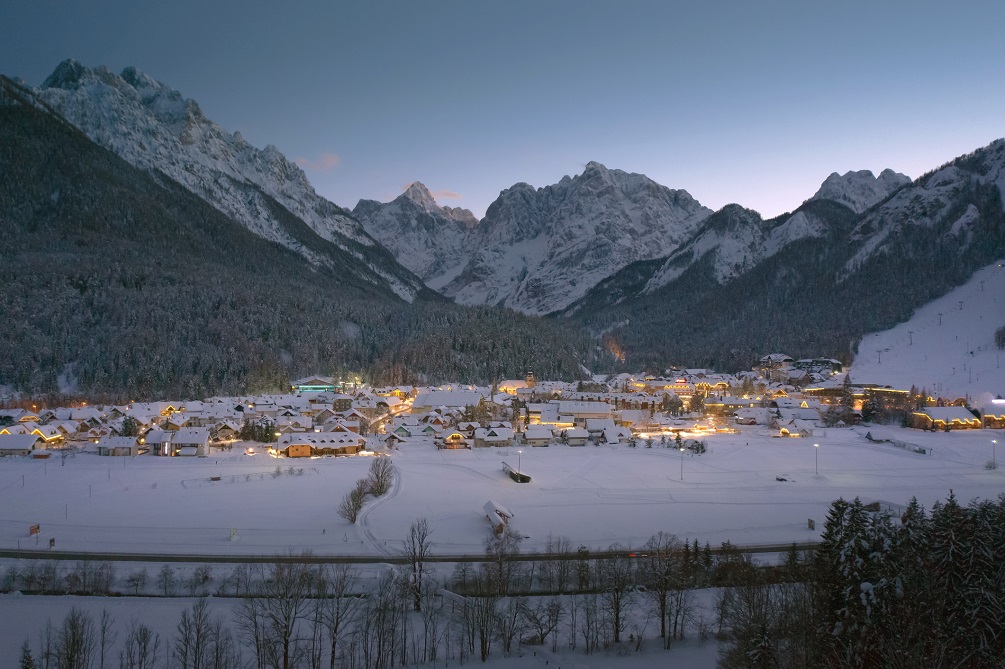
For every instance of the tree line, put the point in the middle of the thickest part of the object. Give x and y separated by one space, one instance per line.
923 590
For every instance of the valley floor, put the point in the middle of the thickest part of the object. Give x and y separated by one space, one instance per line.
594 495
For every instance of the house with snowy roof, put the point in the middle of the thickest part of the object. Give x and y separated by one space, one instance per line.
118 446
493 436
20 444
945 418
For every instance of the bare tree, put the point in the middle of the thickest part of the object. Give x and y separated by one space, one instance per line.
618 598
339 607
47 646
137 580
556 573
75 641
353 501
106 636
417 549
544 617
432 618
191 646
251 623
140 649
166 580
381 476
509 622
284 596
661 573
501 549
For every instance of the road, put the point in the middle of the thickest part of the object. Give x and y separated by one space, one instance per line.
357 559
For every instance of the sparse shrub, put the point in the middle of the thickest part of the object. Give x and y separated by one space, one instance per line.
137 581
353 501
381 475
166 580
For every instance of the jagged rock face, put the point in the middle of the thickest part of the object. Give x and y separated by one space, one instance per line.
153 127
539 250
426 238
860 190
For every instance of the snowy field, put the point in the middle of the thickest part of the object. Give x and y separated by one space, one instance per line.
594 495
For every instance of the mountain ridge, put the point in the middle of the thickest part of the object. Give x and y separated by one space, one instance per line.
152 126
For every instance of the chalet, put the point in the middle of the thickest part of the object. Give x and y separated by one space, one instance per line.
48 433
796 428
493 436
306 445
945 418
575 436
468 428
20 444
597 426
119 446
323 414
993 414
453 440
191 441
755 416
159 442
728 405
538 435
227 430
431 431
393 440
405 431
616 435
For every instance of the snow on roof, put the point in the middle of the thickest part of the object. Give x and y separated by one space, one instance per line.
949 414
191 435
494 507
17 442
566 408
448 398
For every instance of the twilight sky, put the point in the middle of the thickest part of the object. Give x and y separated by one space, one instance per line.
748 102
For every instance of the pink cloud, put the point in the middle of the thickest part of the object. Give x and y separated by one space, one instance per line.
326 162
447 195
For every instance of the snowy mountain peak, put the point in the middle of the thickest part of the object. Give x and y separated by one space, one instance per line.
66 75
420 195
860 190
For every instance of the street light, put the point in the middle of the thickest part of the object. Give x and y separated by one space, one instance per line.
681 463
994 453
519 467
816 459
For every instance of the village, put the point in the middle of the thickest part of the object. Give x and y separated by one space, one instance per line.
323 416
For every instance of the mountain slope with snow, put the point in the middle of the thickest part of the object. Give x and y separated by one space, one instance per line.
428 239
539 250
810 283
860 190
947 346
153 127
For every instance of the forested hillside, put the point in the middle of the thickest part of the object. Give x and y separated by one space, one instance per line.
818 295
118 281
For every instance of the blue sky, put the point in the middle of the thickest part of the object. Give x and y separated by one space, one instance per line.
748 102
